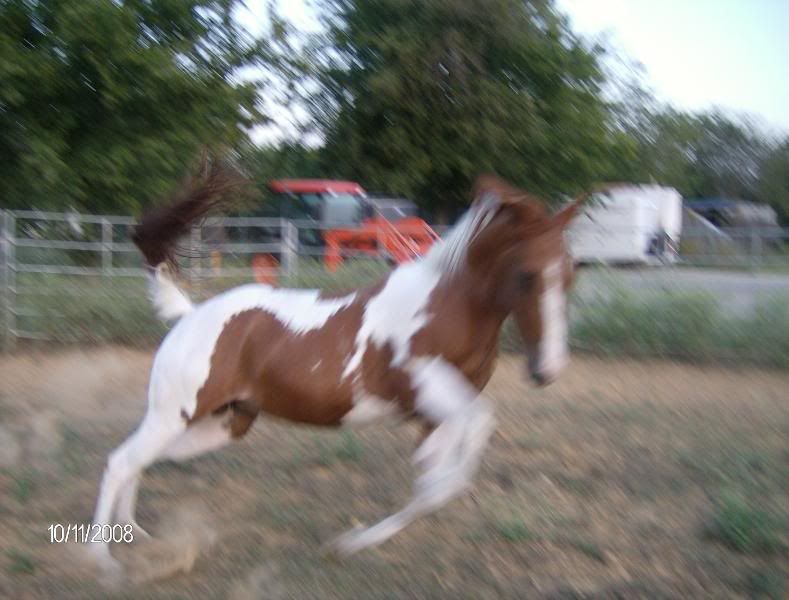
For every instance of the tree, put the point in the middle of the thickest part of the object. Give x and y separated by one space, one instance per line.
417 97
774 180
702 155
263 164
104 104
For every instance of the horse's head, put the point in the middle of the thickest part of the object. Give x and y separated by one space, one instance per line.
523 249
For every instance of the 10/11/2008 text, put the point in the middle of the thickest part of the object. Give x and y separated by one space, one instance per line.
90 533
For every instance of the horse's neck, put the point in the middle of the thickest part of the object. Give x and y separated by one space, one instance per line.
482 299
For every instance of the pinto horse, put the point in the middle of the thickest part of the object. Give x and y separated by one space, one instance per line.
420 344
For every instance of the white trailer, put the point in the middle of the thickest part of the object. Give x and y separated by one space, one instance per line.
628 224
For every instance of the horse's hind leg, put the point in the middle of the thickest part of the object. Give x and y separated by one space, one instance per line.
212 431
447 458
204 435
125 463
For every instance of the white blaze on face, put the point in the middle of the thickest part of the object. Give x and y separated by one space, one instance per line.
552 351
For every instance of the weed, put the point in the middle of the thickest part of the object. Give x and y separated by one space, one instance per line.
591 549
349 448
513 530
24 484
766 583
20 563
743 528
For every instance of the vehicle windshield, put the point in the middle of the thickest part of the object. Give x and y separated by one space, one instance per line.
342 209
395 212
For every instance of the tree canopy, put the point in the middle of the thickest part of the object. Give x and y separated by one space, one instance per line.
103 104
418 97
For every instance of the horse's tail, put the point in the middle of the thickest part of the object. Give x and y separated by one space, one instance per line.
157 233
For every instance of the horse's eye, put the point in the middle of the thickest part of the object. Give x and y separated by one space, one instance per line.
526 281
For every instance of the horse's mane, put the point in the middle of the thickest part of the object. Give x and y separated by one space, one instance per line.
490 194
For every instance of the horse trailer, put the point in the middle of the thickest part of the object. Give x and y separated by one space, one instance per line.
628 224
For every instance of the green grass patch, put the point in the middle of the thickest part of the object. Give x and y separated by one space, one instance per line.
689 326
346 449
662 324
590 549
20 563
766 583
351 274
685 326
23 485
743 528
513 530
87 309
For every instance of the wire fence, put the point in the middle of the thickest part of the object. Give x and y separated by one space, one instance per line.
74 278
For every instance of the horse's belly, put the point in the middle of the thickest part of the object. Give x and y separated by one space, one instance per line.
305 400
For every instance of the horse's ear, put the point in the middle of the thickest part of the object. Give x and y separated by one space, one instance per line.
564 216
491 188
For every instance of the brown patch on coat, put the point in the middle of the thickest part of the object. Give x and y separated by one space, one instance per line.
385 381
257 361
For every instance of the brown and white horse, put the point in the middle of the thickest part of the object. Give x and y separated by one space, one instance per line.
420 344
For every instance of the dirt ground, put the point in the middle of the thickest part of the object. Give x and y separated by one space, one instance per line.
603 485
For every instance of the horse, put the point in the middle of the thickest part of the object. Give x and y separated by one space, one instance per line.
420 345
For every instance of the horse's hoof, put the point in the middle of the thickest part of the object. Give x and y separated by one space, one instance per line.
345 545
111 572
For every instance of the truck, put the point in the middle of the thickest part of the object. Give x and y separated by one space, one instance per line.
337 219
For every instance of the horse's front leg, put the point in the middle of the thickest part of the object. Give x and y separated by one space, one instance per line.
446 459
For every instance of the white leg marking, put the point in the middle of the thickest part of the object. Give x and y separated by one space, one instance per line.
125 463
203 436
368 408
127 503
447 458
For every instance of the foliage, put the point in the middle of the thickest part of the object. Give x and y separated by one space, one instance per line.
702 155
669 323
289 159
774 180
417 98
686 326
103 104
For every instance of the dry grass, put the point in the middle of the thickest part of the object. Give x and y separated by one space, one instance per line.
607 484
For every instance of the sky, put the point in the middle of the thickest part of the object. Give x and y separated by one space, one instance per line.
696 54
733 54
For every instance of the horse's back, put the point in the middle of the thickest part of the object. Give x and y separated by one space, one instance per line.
216 353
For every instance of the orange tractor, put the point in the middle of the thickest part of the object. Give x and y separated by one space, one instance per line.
339 218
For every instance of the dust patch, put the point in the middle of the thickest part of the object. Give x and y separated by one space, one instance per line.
10 449
260 582
177 542
101 382
45 436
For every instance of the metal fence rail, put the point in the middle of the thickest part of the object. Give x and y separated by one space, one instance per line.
63 276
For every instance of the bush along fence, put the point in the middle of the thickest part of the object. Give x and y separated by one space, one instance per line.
68 278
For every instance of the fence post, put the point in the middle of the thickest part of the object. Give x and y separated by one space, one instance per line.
195 256
106 246
289 244
755 249
7 239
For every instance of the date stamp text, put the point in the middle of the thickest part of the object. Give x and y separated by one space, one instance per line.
85 533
